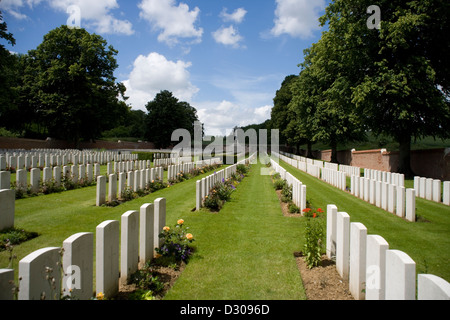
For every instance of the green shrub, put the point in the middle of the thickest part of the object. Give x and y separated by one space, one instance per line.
279 184
242 169
176 242
314 242
144 155
293 208
14 236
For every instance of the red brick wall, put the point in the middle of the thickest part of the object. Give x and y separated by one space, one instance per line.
432 163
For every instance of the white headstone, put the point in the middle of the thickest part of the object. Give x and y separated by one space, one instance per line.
129 244
146 236
400 276
107 258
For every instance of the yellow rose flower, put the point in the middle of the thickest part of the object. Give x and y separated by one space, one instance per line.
100 296
166 229
180 221
189 236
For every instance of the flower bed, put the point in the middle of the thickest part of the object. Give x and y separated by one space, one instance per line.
221 192
154 280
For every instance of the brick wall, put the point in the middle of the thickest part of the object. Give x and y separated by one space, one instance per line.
431 163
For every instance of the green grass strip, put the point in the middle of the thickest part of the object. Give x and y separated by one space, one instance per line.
427 241
246 250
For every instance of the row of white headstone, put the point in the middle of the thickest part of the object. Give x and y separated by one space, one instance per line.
387 196
382 189
184 167
432 189
374 271
135 180
425 188
20 159
171 160
298 188
204 186
120 249
74 172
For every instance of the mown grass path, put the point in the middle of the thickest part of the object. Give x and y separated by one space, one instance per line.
246 250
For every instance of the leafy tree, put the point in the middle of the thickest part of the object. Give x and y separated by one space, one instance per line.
303 106
323 97
166 114
8 76
281 116
133 125
69 81
398 74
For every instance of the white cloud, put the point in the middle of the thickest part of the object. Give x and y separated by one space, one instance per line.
153 73
174 21
298 18
95 14
228 36
237 16
220 117
13 7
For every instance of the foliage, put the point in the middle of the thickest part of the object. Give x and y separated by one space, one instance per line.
14 236
314 239
293 208
222 190
166 114
144 155
176 242
242 169
395 77
148 283
286 193
281 115
279 183
69 87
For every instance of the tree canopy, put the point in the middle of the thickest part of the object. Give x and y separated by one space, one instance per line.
70 81
392 80
166 114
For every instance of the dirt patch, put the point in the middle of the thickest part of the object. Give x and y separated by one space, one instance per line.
322 282
285 207
166 275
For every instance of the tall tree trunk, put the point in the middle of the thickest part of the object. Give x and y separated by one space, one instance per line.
334 158
404 158
309 153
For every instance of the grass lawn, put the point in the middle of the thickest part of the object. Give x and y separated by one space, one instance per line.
243 252
427 243
246 250
59 215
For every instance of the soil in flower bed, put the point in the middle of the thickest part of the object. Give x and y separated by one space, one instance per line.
322 282
285 207
167 275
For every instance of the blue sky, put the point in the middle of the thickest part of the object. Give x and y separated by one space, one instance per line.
227 58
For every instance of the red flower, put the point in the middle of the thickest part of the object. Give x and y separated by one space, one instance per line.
314 215
319 210
306 210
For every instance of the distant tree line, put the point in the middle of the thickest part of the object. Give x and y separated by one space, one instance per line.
391 81
66 89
